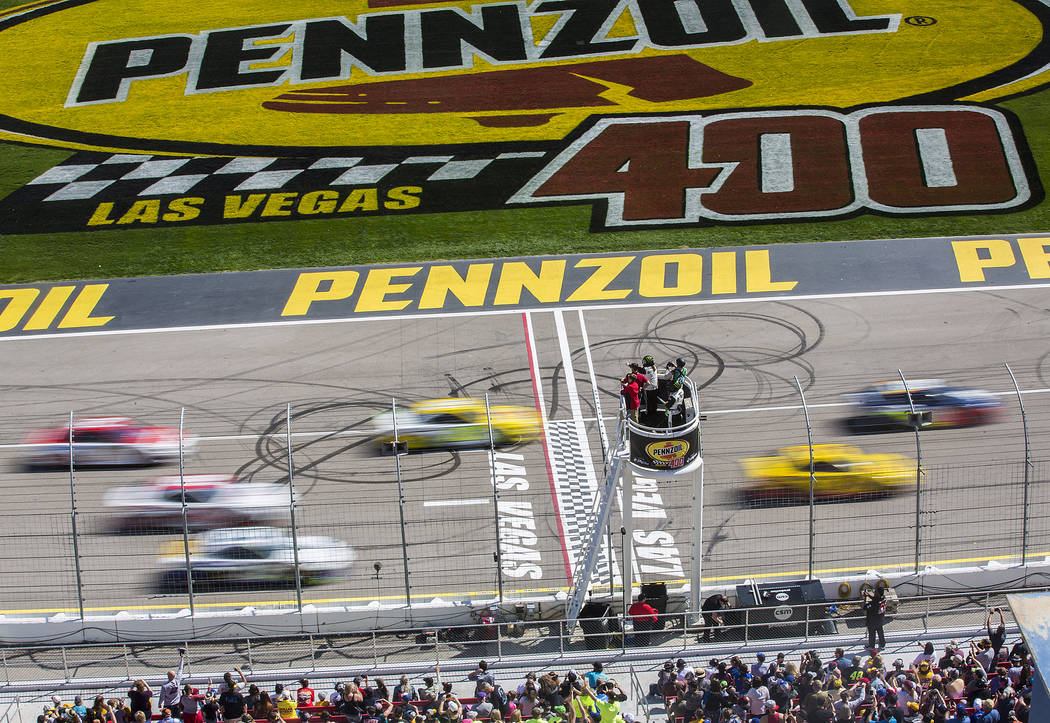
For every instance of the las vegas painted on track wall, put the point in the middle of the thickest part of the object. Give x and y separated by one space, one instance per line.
655 113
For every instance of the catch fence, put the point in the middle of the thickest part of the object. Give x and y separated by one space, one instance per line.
421 526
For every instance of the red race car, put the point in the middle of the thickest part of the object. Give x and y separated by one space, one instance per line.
105 442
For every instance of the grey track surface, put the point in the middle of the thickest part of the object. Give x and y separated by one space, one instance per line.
235 384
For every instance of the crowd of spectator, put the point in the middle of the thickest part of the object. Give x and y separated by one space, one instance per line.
986 682
981 685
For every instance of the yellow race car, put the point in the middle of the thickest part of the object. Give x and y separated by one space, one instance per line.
840 471
457 423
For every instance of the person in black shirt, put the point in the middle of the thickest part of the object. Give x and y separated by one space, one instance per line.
210 709
875 618
232 704
139 697
997 636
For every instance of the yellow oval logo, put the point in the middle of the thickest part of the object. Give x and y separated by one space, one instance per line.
277 79
668 451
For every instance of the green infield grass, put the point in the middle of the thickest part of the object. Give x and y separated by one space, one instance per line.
346 241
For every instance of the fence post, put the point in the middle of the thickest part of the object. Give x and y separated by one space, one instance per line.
495 500
627 518
401 505
696 569
1027 468
291 511
73 522
812 478
916 423
185 521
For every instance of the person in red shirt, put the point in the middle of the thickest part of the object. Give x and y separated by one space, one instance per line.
631 391
305 694
644 617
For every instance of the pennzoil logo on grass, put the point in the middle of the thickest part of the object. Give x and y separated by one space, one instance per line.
655 111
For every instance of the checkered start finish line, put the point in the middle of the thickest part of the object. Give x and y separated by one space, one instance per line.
140 190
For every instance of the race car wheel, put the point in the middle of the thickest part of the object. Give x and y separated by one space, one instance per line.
173 581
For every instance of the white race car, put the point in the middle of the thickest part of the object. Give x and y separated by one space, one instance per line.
212 500
252 557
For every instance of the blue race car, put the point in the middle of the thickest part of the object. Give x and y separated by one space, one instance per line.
885 406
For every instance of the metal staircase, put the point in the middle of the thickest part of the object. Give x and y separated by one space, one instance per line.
586 562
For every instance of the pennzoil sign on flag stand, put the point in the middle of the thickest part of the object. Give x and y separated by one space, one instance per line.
654 112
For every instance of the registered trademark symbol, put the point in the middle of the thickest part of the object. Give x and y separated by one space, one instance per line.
920 20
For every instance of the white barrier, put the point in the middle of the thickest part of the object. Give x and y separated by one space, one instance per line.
63 629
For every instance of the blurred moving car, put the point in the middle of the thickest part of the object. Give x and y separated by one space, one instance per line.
105 442
885 406
457 423
840 471
247 557
212 500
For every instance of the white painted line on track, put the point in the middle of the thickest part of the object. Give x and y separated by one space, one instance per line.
456 503
587 420
603 436
567 369
499 312
537 389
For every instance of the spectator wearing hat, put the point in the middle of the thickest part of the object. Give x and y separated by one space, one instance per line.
450 709
911 713
529 683
683 669
761 668
165 716
483 708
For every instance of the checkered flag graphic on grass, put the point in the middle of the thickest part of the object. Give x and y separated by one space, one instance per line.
69 196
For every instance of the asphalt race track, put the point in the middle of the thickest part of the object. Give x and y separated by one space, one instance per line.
235 385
